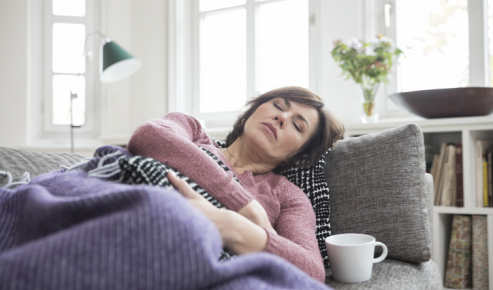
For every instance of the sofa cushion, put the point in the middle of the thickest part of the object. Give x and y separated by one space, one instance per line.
377 184
391 274
19 161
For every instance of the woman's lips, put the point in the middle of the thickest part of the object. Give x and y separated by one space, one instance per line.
271 129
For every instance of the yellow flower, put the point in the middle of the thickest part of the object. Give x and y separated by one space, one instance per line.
380 36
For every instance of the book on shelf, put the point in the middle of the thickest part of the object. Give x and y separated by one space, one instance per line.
433 172
479 252
481 164
437 178
447 172
489 178
449 185
459 267
459 200
485 181
434 167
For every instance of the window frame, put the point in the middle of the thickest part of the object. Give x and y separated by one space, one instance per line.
218 124
47 129
215 119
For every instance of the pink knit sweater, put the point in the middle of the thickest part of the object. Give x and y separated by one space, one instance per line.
174 140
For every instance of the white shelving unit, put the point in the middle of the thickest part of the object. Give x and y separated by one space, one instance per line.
465 130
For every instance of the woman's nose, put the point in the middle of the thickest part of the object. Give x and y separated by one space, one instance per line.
281 120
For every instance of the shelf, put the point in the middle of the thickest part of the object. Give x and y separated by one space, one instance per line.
462 210
435 132
425 122
426 125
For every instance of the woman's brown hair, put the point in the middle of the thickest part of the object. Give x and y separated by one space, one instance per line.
329 131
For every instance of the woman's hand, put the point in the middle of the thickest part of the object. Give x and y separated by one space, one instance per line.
238 233
193 197
257 214
252 211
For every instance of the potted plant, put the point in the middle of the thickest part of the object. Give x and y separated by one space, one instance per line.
368 64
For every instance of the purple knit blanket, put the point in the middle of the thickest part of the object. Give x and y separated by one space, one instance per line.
65 230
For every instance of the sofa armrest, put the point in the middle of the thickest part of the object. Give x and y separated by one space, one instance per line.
429 206
378 187
19 161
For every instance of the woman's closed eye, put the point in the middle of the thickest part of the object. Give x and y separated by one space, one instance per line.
297 127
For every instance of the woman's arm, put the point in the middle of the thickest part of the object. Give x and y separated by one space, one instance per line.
240 235
296 233
173 140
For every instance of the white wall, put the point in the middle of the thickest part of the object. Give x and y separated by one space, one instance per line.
139 26
13 72
149 42
340 20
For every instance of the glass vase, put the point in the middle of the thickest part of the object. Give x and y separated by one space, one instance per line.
369 98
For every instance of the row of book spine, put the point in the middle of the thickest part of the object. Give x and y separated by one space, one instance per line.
467 264
484 173
447 172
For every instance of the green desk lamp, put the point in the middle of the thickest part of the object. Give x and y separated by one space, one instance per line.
115 64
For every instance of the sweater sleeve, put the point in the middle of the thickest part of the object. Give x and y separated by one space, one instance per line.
173 140
295 240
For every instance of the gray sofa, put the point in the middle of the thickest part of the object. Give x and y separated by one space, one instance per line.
378 186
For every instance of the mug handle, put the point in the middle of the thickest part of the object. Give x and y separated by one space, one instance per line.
383 255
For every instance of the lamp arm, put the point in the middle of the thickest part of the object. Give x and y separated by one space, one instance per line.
107 39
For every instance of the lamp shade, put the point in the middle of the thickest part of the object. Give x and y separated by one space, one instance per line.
116 63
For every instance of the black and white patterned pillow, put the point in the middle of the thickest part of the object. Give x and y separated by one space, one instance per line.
313 183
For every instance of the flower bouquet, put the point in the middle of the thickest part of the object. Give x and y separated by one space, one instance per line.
368 64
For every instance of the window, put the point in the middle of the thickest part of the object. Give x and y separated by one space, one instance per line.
66 69
490 41
445 42
434 35
247 47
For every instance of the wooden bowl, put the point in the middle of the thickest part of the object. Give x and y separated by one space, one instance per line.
447 103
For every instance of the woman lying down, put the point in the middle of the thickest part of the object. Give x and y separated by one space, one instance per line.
265 212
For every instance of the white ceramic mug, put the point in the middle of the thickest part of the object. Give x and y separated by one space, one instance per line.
351 256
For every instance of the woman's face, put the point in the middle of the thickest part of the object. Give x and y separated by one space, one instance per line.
279 128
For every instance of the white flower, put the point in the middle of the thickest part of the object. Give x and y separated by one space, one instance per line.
354 43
